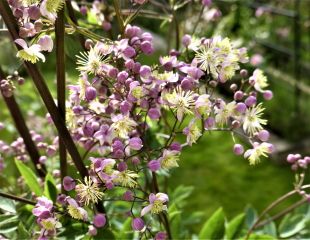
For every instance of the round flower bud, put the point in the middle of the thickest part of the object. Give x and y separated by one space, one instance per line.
147 48
83 10
137 224
42 159
235 124
238 149
250 101
186 40
206 3
90 93
175 146
135 143
268 95
154 113
233 87
154 165
145 71
241 107
68 183
99 220
122 166
263 135
34 12
244 73
128 196
161 236
106 25
209 123
238 95
88 44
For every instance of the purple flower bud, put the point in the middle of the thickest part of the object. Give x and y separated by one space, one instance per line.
238 149
125 107
206 3
137 224
147 37
99 220
106 25
250 101
161 236
112 72
244 73
129 52
34 12
38 25
46 43
241 107
186 40
154 113
135 160
263 135
238 95
128 196
42 159
122 166
132 31
136 67
154 165
68 183
145 71
147 48
209 123
135 143
61 199
175 146
268 95
233 87
122 76
129 64
83 10
187 84
90 93
51 150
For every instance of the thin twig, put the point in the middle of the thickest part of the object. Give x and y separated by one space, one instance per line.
19 199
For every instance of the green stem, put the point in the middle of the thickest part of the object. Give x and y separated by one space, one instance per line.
118 16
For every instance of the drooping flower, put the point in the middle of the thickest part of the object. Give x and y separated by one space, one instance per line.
88 191
192 133
31 54
203 105
260 80
46 43
182 102
157 204
90 62
258 151
169 159
75 210
49 8
253 119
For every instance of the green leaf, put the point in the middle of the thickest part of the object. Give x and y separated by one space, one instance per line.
250 216
22 232
29 177
103 233
234 227
50 190
291 225
8 225
126 231
261 237
214 227
270 229
7 205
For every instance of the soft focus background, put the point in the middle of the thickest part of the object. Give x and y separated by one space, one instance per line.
277 34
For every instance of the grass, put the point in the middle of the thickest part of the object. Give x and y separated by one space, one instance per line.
222 179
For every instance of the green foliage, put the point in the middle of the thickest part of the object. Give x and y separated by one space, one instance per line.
7 205
214 227
29 177
234 227
291 225
50 190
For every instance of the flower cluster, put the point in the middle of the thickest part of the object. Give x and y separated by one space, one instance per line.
46 217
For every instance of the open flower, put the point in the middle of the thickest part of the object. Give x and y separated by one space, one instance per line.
182 102
88 191
49 8
90 62
126 178
157 204
224 112
122 125
192 133
253 121
260 80
30 54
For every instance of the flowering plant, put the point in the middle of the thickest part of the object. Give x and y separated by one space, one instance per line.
131 119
